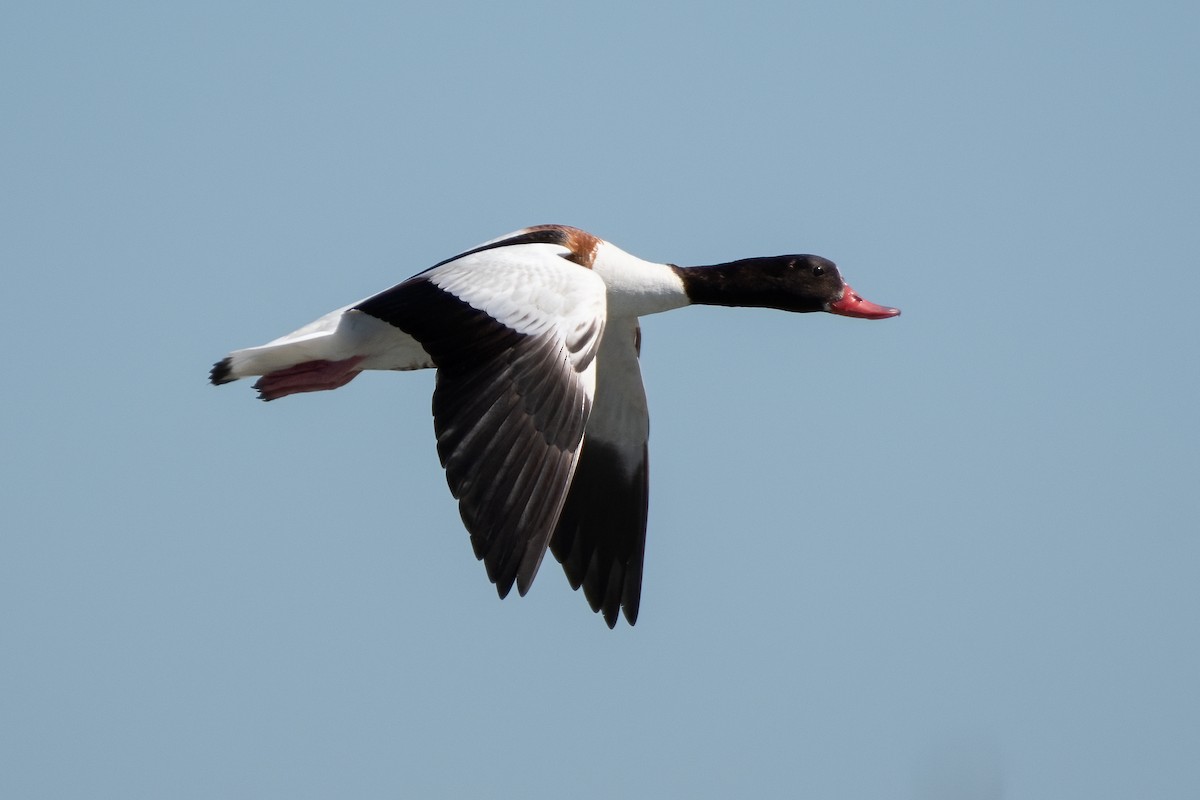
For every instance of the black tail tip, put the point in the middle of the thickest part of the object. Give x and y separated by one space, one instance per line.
222 372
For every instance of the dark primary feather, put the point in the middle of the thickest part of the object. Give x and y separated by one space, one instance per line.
601 535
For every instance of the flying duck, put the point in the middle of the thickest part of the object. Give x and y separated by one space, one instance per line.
539 410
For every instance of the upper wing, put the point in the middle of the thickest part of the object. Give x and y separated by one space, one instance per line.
601 535
514 332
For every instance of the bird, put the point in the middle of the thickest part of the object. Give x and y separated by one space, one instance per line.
539 410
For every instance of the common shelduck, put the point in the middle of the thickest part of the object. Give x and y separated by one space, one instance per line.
539 410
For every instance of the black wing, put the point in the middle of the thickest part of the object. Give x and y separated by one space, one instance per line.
513 396
601 535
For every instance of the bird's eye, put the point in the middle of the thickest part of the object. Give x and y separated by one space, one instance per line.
818 270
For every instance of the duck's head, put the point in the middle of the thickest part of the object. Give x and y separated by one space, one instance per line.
800 283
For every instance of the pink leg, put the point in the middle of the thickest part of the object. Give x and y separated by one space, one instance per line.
311 376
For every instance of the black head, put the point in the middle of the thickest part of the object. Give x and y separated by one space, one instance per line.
789 283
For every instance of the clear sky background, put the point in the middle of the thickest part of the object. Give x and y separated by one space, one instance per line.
951 555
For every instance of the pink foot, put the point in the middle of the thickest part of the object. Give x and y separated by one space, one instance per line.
311 376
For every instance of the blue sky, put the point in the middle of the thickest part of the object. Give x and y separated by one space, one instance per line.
952 555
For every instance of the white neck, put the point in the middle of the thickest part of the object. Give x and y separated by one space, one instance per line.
637 287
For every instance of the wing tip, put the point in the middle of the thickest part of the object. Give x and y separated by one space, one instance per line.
610 618
613 610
